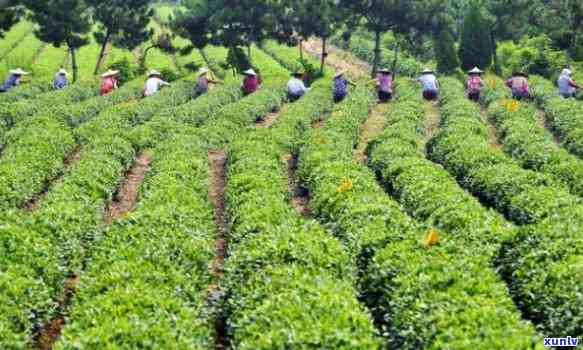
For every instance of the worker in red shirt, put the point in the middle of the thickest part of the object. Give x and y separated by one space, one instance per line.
109 81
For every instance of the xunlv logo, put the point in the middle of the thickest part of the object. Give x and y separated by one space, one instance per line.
568 341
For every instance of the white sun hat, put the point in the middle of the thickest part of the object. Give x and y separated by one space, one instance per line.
62 72
202 71
566 72
250 72
427 71
339 73
476 70
110 73
154 72
18 71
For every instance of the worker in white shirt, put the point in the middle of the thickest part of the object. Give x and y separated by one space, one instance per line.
296 87
154 83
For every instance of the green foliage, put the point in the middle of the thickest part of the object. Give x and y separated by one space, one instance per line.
128 71
11 114
445 54
397 16
533 55
62 22
10 13
401 63
563 116
533 146
534 272
237 60
154 266
284 271
290 59
475 49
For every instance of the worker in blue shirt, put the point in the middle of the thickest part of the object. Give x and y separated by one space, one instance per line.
60 82
13 79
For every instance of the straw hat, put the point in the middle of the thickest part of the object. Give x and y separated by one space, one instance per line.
154 72
385 70
250 72
203 71
18 71
427 71
339 73
476 70
62 72
110 73
522 74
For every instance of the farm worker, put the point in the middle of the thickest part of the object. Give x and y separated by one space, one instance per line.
340 88
429 84
385 85
296 87
13 79
519 85
202 83
567 86
109 81
474 84
251 82
154 83
60 82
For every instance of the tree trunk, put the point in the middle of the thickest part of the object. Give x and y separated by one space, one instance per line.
324 54
74 63
395 59
495 53
102 53
377 53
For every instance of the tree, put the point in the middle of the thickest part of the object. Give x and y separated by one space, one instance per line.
233 24
446 56
124 23
162 42
476 44
62 22
507 22
319 18
9 14
399 16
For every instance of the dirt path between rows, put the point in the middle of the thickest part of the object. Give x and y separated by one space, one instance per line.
338 59
432 122
125 200
300 195
35 202
271 118
541 121
371 128
493 136
52 331
218 172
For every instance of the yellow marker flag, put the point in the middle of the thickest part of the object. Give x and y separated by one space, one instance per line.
432 237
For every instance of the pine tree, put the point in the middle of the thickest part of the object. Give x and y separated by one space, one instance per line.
399 16
119 28
62 22
447 60
9 14
476 43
